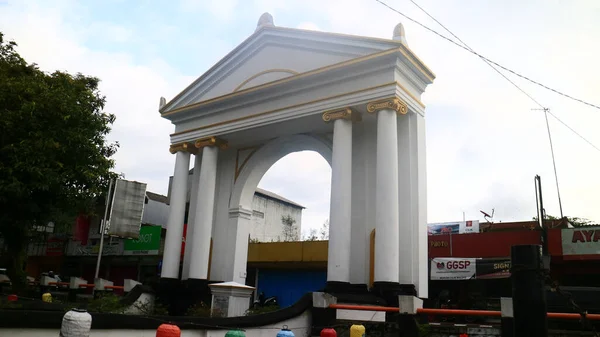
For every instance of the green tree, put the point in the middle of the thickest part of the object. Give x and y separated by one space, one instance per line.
574 221
290 231
54 156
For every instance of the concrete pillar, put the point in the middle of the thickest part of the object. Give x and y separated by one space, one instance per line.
191 223
202 232
172 252
340 214
386 190
239 221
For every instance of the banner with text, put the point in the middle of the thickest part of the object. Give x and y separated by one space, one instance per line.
493 268
452 268
581 241
148 243
458 227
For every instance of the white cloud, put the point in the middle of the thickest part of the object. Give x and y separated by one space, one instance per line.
485 143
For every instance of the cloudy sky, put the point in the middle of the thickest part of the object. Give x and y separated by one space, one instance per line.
485 143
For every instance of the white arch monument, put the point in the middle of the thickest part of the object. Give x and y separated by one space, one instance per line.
355 100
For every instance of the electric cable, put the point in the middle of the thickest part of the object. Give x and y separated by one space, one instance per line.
488 60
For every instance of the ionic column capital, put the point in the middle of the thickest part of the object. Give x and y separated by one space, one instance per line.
182 147
211 141
393 103
344 113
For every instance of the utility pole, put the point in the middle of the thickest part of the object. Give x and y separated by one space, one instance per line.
102 229
541 212
553 160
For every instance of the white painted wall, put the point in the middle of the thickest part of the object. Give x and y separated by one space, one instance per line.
299 325
266 225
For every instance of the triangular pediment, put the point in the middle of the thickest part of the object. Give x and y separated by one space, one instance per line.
274 53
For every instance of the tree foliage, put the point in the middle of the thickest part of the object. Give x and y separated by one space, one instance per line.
574 221
290 230
54 155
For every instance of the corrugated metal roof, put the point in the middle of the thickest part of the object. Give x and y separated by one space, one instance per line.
272 195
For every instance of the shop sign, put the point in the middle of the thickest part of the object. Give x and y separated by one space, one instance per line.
55 247
452 268
581 241
492 268
111 247
148 242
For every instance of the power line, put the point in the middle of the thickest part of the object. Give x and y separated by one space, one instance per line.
492 63
546 110
487 59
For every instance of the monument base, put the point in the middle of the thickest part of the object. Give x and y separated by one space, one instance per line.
168 293
230 299
390 291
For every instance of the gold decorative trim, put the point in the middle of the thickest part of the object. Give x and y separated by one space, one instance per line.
185 147
284 80
211 141
298 105
238 169
404 50
345 113
289 71
393 103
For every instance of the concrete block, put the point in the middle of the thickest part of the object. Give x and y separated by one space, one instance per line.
74 282
323 300
129 284
100 283
409 304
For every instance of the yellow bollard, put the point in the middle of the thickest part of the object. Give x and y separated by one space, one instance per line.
47 297
357 330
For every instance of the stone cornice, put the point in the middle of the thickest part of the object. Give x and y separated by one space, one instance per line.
344 113
393 103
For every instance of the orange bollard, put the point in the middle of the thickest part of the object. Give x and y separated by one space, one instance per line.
168 330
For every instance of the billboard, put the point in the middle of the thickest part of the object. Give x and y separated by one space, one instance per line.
581 241
458 227
126 209
148 242
443 268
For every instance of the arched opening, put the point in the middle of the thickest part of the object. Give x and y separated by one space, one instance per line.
292 200
288 177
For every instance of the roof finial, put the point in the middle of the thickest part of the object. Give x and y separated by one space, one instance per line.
399 34
162 102
265 20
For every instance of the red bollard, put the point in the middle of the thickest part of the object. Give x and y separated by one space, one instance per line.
328 332
168 330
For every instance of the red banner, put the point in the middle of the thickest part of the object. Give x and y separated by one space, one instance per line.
82 229
183 239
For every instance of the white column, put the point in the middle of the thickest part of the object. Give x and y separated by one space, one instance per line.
239 222
191 223
172 251
340 214
386 191
406 182
202 232
419 173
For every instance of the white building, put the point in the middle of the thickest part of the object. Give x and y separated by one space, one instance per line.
268 210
